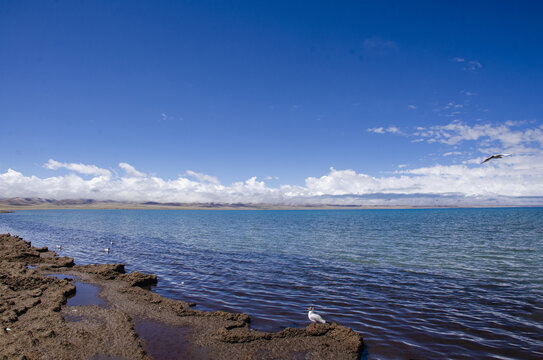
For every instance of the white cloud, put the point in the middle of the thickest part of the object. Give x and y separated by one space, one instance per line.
393 129
452 105
382 130
80 168
411 106
341 182
505 178
203 177
467 93
513 180
504 134
130 171
378 130
472 65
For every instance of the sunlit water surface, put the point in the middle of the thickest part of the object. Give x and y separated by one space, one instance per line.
426 284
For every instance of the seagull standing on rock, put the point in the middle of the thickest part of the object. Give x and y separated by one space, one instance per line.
315 318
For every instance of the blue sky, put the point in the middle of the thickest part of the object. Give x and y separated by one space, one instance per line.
216 93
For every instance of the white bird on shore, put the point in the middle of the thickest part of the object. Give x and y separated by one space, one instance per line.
315 318
495 156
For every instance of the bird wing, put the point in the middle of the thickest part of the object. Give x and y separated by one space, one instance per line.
316 318
496 156
488 158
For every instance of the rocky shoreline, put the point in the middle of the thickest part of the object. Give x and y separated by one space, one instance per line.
37 323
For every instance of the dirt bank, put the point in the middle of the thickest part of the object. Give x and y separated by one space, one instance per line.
37 323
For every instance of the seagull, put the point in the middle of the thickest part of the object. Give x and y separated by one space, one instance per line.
106 250
496 156
315 318
59 247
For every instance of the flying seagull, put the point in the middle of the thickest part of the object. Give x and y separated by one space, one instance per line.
496 156
316 318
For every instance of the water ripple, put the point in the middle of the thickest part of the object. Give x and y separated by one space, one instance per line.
462 283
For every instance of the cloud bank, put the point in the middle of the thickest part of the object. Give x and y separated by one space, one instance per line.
511 181
514 180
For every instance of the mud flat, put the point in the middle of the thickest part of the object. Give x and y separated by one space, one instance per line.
121 319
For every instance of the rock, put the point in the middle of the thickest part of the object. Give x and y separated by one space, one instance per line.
106 271
139 279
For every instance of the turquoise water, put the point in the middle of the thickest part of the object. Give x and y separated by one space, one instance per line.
426 284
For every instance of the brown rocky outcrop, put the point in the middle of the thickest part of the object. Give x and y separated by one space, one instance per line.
36 322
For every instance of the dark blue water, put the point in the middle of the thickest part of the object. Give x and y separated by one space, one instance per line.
426 284
85 294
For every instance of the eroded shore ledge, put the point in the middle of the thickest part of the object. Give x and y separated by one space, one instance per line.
36 322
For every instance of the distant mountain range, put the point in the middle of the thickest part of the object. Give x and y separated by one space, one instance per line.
19 203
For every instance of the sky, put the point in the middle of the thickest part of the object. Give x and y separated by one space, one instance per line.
287 102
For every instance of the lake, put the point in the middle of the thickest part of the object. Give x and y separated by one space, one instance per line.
417 283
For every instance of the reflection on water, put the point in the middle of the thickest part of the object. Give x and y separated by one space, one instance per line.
164 342
85 294
446 283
